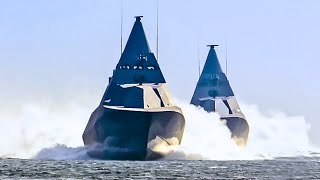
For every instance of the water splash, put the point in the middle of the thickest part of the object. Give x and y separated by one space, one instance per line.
43 132
33 127
63 152
271 135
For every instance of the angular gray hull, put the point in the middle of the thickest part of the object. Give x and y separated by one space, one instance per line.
239 129
119 134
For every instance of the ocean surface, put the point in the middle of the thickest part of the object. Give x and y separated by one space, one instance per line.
46 144
279 168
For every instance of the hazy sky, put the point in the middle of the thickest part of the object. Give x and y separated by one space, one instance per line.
65 49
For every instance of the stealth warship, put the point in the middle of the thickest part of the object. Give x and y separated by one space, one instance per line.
136 118
213 92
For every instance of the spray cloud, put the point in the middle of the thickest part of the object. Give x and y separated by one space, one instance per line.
43 132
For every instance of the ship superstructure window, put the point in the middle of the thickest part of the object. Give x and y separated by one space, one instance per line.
137 67
124 67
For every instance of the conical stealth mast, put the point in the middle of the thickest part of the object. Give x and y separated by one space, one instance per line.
137 66
214 94
212 83
137 63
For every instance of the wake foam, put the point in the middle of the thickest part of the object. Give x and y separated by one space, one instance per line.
62 152
271 135
46 132
27 130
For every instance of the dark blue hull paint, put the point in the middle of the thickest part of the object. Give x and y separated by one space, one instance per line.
124 135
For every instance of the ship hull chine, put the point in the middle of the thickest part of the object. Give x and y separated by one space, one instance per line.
239 129
132 135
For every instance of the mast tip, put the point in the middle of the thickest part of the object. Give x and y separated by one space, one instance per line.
212 45
138 18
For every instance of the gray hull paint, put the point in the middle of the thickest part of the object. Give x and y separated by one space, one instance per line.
124 135
239 129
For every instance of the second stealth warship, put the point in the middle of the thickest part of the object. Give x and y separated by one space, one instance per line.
213 92
136 118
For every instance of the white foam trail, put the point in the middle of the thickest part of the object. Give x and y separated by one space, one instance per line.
62 152
276 134
34 127
205 136
44 132
273 135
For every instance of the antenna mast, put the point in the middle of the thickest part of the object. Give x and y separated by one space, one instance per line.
227 58
158 30
121 26
198 59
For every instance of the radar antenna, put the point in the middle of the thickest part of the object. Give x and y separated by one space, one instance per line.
121 26
198 59
226 58
158 30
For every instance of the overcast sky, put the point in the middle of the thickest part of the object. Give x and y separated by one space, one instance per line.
64 50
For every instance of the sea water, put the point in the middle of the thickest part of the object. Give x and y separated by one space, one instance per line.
279 168
41 142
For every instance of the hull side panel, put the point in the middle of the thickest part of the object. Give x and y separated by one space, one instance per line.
125 135
239 128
